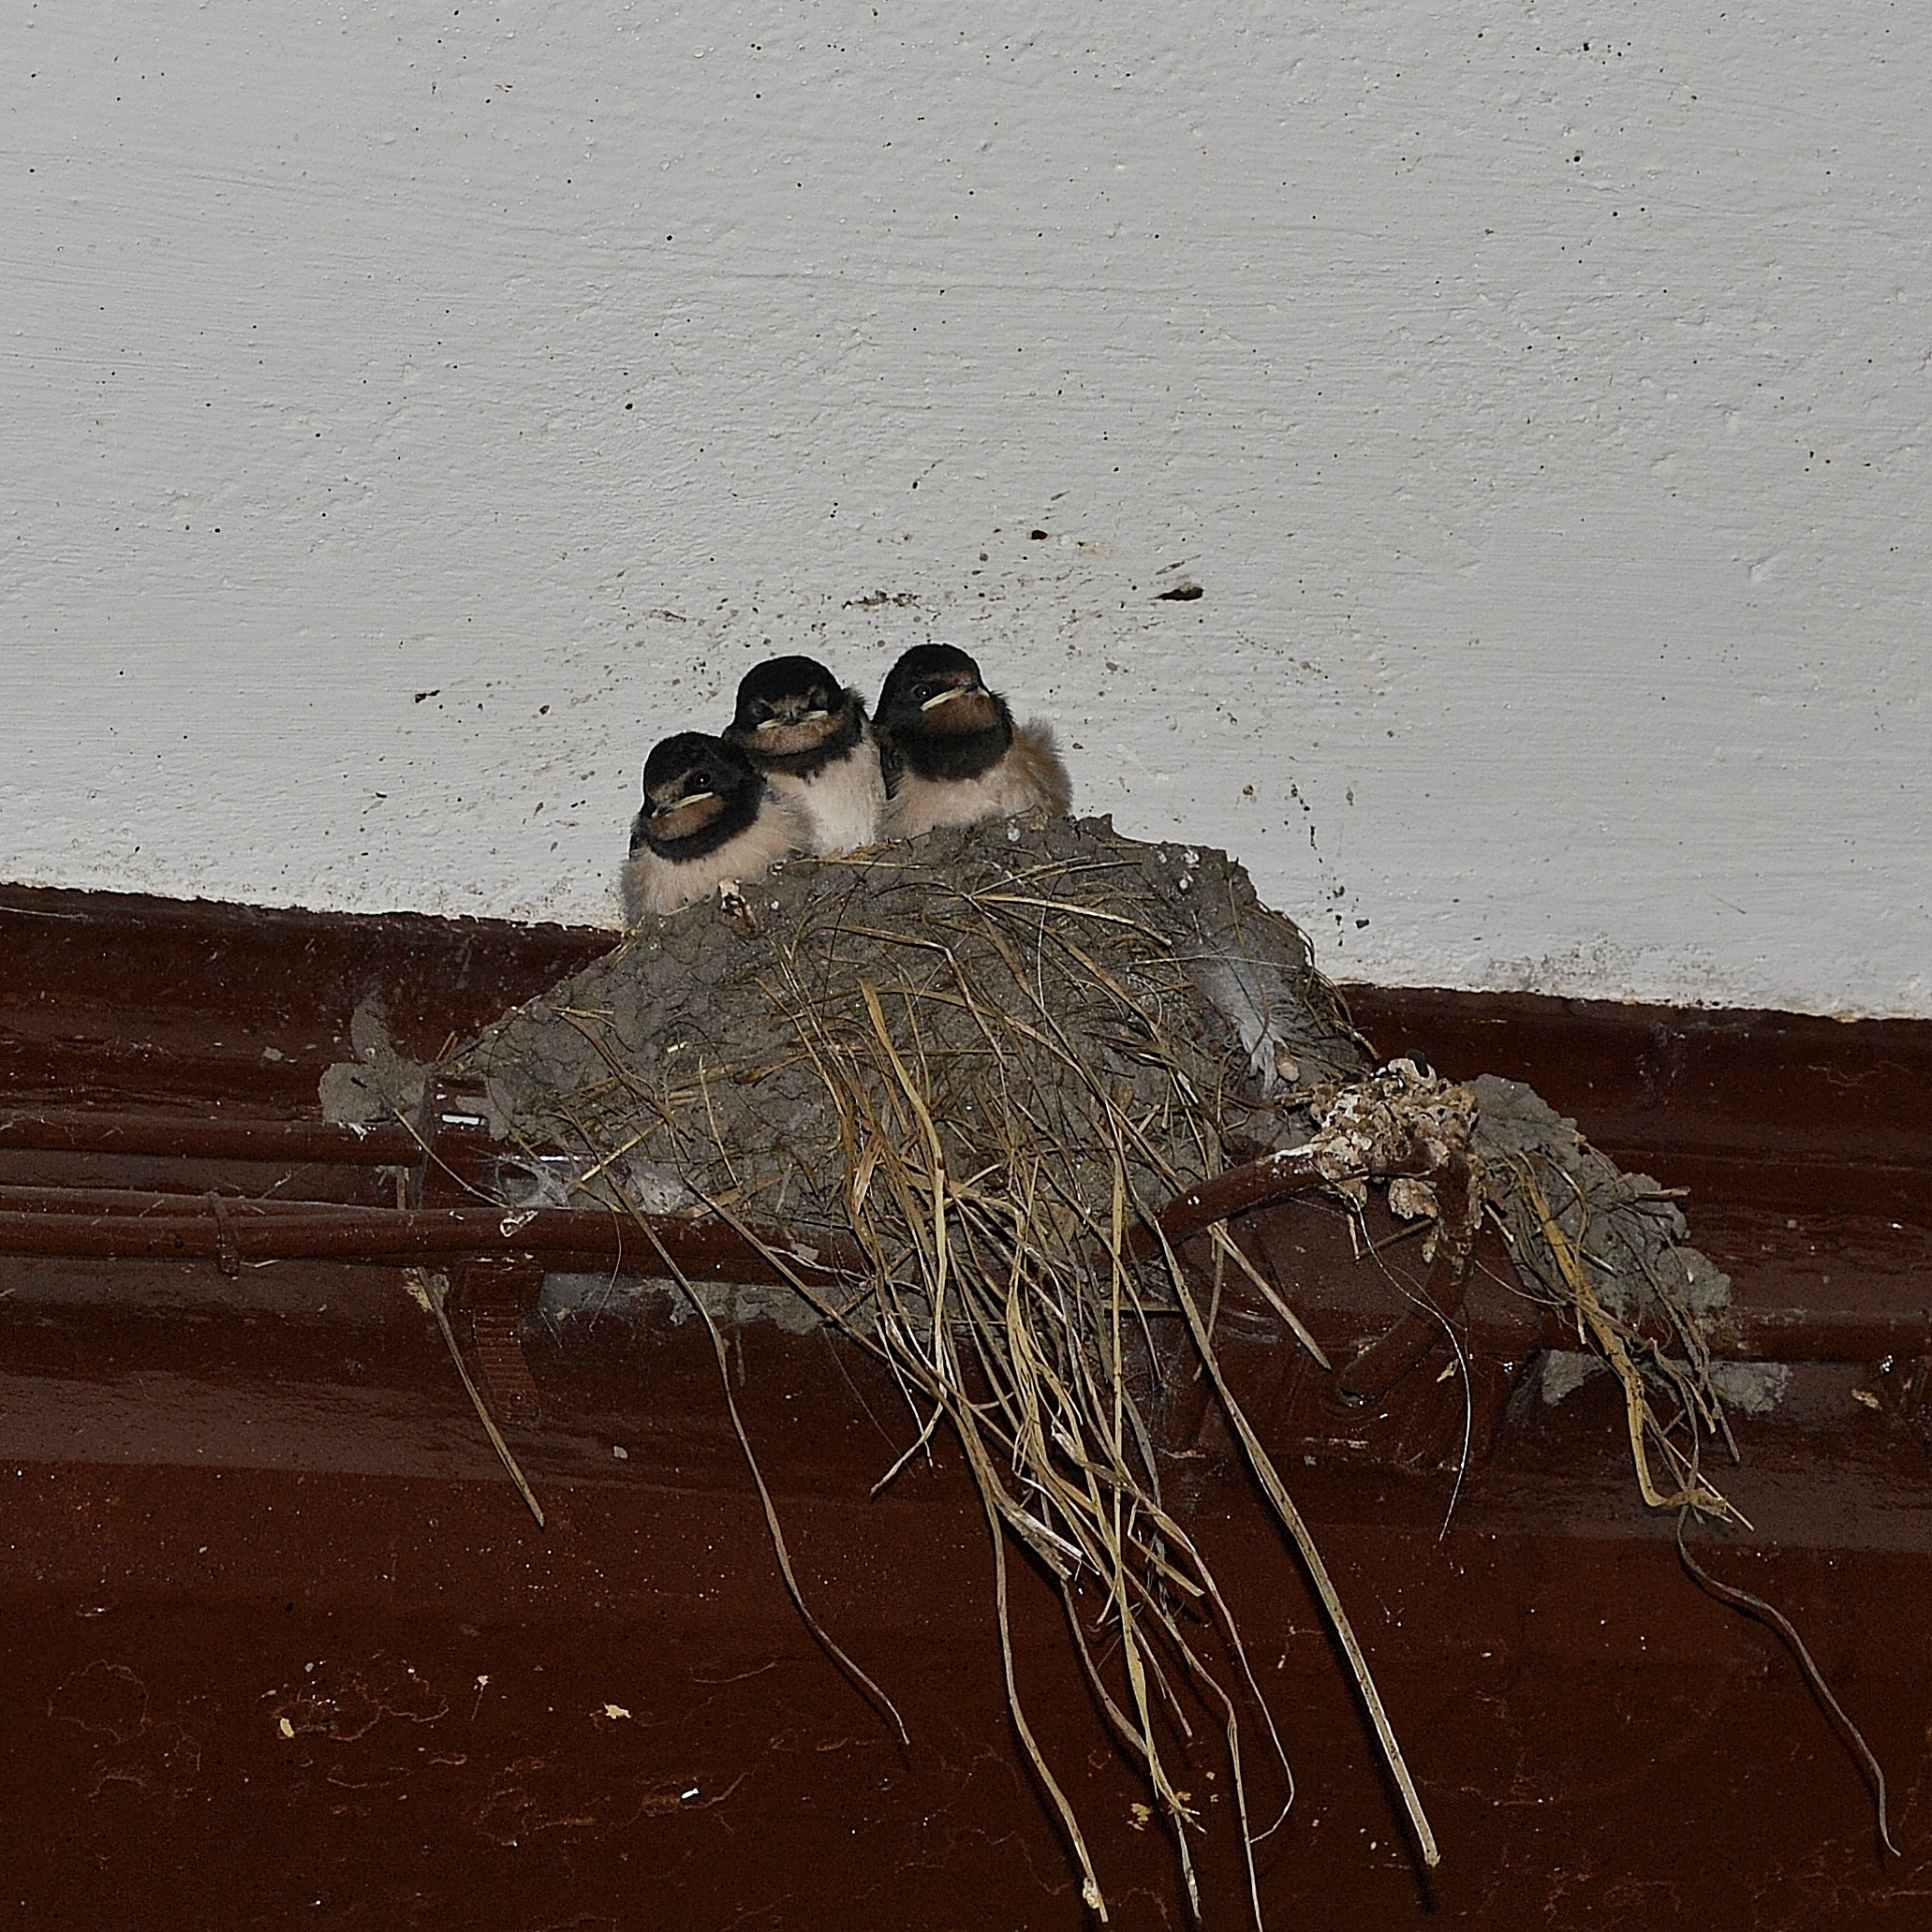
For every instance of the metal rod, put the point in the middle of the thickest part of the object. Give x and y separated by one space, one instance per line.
162 1201
224 1229
49 1129
1255 1184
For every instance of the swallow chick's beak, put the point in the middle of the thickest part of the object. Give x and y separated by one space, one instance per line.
784 715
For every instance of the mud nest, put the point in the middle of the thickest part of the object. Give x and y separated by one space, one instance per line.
1032 984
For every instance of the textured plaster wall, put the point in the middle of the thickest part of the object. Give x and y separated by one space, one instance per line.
409 413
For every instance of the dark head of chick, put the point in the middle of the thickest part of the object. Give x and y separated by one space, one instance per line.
937 719
699 793
794 717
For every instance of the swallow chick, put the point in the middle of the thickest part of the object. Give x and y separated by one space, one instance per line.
709 820
814 743
953 755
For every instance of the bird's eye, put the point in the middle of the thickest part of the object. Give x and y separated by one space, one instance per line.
921 693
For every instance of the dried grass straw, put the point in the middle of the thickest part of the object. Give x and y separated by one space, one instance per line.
1548 1239
995 1177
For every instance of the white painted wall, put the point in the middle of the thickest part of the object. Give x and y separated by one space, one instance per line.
410 413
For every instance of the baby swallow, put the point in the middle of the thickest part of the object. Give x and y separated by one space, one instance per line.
814 743
709 820
953 755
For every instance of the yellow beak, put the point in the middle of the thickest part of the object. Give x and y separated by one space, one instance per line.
677 805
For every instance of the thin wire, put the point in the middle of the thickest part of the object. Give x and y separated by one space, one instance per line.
1756 1606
